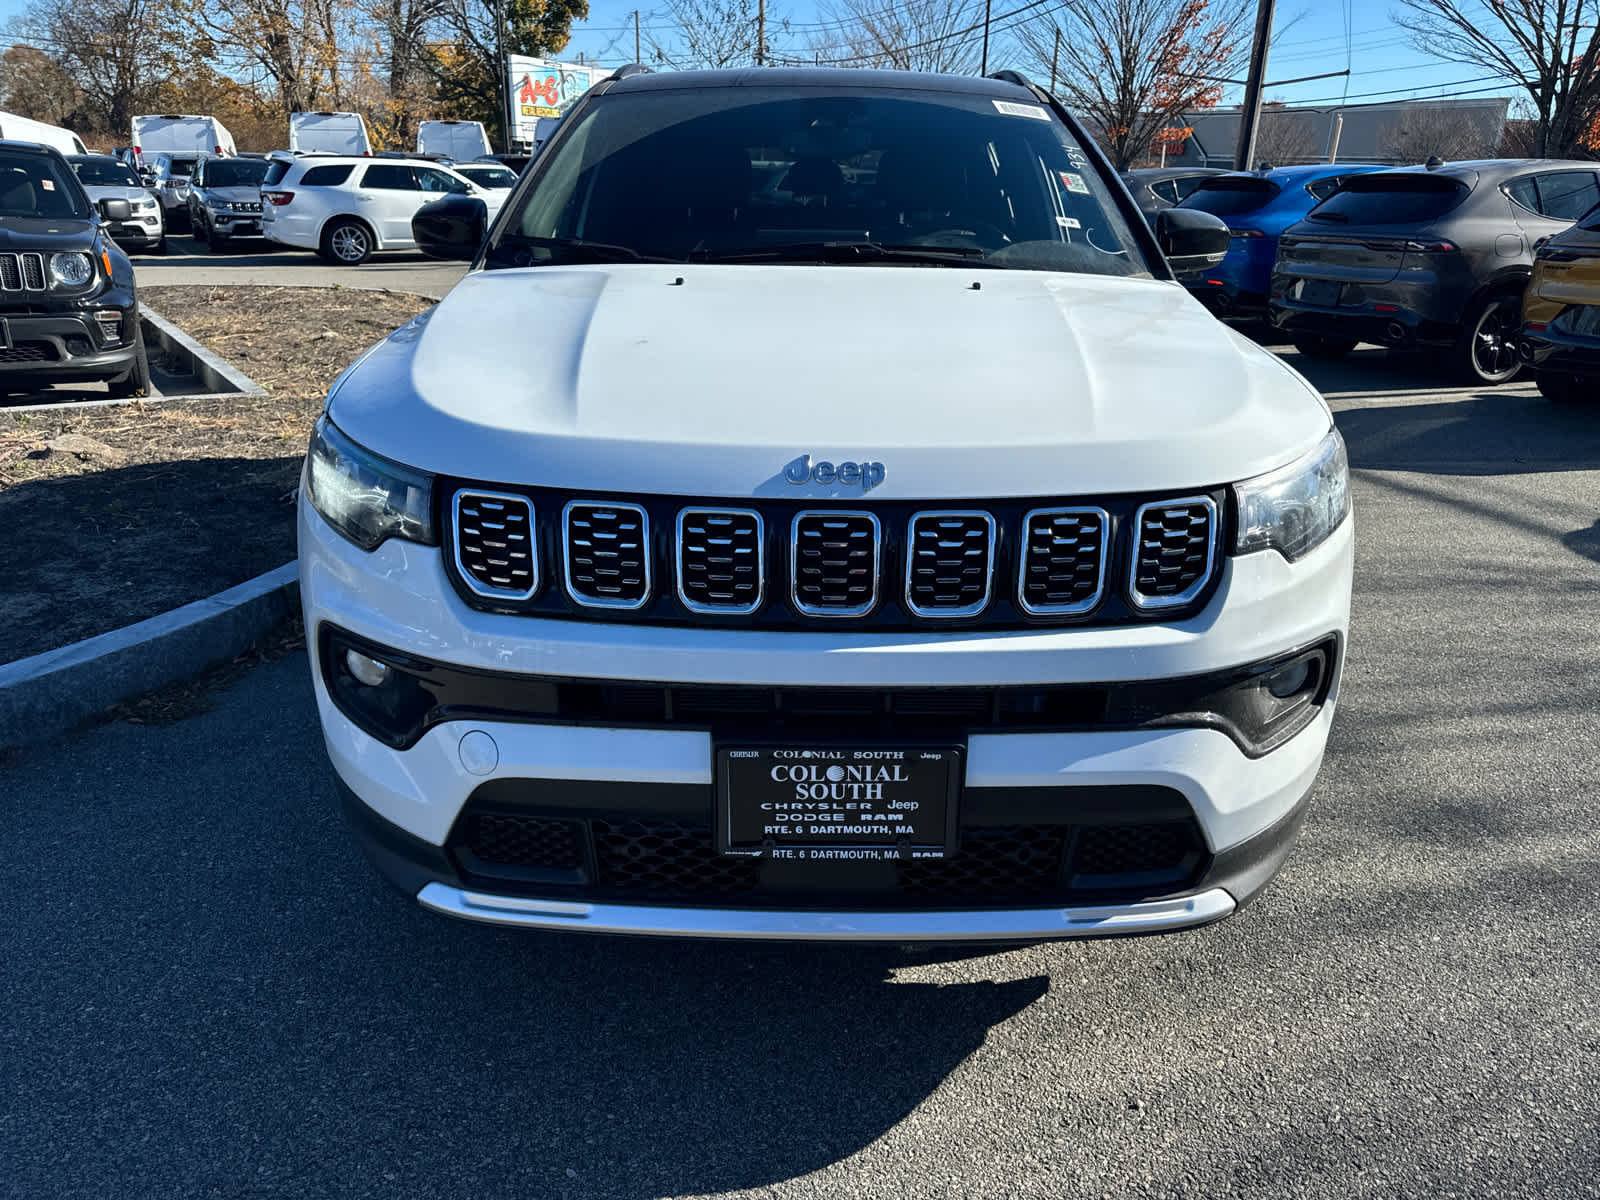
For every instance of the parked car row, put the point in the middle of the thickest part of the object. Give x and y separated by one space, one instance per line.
1437 256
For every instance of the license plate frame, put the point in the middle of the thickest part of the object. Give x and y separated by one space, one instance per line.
1320 293
847 821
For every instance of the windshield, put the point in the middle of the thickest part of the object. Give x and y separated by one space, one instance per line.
1226 196
107 172
489 177
1391 199
182 166
234 172
787 174
37 185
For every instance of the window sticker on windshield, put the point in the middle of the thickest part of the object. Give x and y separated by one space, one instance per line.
1073 182
1078 157
48 185
1022 110
1068 223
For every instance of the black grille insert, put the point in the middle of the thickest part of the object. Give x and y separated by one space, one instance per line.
1063 558
1175 547
22 352
949 562
495 548
833 566
607 553
1136 855
667 859
22 272
721 560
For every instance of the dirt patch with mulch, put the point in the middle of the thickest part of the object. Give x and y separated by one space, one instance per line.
111 515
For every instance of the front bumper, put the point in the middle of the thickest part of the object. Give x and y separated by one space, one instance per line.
66 347
414 806
235 225
144 230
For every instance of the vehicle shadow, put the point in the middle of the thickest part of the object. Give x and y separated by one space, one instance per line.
1482 433
84 553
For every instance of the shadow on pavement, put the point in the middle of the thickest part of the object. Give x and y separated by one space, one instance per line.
85 553
1490 433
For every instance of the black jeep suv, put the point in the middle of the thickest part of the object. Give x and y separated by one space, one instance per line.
68 312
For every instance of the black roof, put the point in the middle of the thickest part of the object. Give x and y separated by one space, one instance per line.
843 78
27 147
86 158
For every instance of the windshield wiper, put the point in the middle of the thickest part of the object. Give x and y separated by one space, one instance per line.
846 252
580 250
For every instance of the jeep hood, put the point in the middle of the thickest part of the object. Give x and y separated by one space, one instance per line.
706 380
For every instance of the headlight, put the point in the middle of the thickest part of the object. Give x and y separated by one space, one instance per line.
1293 510
364 497
71 270
147 204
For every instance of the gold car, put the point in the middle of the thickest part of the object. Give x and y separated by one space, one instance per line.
1561 313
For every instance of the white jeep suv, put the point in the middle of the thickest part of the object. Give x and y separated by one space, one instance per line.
820 513
348 208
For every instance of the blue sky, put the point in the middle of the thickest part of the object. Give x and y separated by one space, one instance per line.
1309 38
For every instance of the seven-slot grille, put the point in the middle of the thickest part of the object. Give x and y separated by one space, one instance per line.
720 560
833 563
1174 546
904 567
495 550
1062 561
607 554
949 563
21 272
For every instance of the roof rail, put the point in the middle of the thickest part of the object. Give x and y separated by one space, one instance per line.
627 71
1010 76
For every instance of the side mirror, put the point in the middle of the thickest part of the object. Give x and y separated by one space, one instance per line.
1193 241
116 210
451 227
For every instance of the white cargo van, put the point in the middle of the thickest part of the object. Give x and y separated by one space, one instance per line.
328 133
24 129
171 133
461 141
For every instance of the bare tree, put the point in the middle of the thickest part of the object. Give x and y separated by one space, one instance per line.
32 84
1132 67
906 35
1285 138
709 33
1424 130
118 52
1550 49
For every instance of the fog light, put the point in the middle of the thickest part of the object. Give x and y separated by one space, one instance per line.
366 670
1290 680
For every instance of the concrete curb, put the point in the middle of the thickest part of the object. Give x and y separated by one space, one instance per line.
216 374
52 692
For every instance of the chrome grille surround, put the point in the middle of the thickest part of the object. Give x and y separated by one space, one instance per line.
574 512
921 558
1184 542
475 504
22 271
861 528
729 516
1026 558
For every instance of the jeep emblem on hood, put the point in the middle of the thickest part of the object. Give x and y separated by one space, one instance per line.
867 475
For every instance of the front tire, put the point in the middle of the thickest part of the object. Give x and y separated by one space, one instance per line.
1486 351
1320 346
137 381
347 242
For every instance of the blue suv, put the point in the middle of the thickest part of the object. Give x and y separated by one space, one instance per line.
1258 206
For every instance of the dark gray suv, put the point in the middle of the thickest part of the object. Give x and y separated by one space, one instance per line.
1427 257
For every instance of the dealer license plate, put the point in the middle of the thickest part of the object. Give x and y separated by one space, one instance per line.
1322 292
825 802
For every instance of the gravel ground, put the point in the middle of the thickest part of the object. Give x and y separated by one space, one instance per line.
209 994
116 514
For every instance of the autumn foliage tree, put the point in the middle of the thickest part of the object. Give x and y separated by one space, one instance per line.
1132 67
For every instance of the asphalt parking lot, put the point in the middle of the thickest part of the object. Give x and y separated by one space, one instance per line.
208 993
259 262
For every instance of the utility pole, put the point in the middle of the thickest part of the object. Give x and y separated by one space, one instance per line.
508 107
984 69
761 33
636 57
1055 57
1250 111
